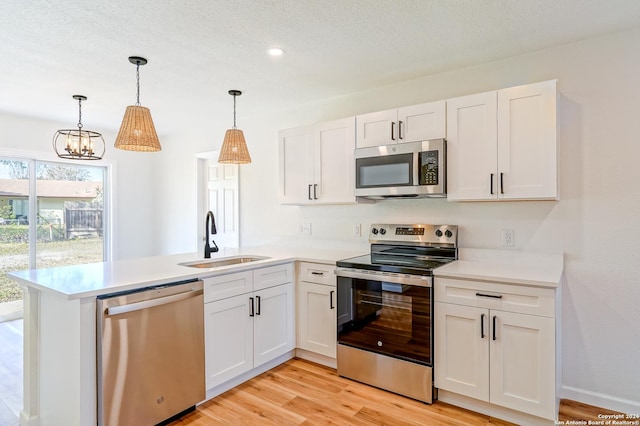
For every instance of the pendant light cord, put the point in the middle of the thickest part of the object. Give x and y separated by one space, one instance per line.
234 111
138 83
80 114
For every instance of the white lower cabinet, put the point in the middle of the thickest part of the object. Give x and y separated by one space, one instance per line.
228 339
246 330
273 326
316 302
491 346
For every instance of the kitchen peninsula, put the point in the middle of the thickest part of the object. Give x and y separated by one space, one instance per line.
60 321
60 314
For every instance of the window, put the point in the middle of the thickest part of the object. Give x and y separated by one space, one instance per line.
51 214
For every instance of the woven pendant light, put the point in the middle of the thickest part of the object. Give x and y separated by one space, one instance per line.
137 132
234 148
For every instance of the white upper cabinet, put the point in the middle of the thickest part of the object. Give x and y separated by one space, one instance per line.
408 124
501 145
527 163
295 151
317 164
472 152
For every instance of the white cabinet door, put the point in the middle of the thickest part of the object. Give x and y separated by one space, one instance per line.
523 363
295 173
422 122
316 163
317 318
273 325
228 329
472 147
334 162
407 124
376 128
462 350
527 163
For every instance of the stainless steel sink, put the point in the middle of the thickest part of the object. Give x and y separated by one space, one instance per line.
225 261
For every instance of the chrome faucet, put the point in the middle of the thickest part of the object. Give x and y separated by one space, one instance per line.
207 248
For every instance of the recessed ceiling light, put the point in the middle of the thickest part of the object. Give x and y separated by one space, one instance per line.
275 51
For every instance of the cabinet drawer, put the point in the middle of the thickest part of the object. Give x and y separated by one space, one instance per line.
504 297
272 275
318 273
223 286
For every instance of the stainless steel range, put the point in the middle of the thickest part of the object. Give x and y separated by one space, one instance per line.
385 307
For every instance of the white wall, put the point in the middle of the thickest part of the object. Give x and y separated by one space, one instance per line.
595 223
133 179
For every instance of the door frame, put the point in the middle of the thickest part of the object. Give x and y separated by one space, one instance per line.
201 191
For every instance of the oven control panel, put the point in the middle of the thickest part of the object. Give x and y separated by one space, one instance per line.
415 233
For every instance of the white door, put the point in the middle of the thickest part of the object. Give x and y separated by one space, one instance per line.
527 141
422 122
317 318
228 329
222 199
273 324
462 350
523 363
334 162
472 157
377 128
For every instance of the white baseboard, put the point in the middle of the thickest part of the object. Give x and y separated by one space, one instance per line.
27 419
317 358
492 410
600 400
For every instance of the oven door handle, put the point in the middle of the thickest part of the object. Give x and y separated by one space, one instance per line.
417 280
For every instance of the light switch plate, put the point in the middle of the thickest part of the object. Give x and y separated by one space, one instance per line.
508 238
305 229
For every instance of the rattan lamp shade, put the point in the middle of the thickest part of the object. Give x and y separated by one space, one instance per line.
234 148
137 132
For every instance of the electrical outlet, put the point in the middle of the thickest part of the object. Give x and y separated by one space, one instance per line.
508 238
305 229
357 230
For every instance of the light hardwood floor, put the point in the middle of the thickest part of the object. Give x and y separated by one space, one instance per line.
295 393
10 372
302 393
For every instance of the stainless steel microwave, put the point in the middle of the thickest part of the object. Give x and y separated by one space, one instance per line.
404 170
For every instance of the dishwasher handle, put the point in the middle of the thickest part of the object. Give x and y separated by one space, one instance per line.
137 306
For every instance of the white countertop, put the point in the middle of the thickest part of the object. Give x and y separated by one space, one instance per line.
94 279
506 266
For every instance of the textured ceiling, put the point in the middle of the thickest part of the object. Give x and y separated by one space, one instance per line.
199 49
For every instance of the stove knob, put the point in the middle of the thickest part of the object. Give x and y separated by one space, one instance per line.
448 234
438 233
383 231
374 231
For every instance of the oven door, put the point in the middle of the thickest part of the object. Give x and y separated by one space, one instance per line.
389 316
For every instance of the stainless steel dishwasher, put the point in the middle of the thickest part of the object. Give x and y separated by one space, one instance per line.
150 352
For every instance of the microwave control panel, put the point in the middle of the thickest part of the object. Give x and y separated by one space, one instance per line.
429 168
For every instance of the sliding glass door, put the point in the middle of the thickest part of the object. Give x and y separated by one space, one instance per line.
51 214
